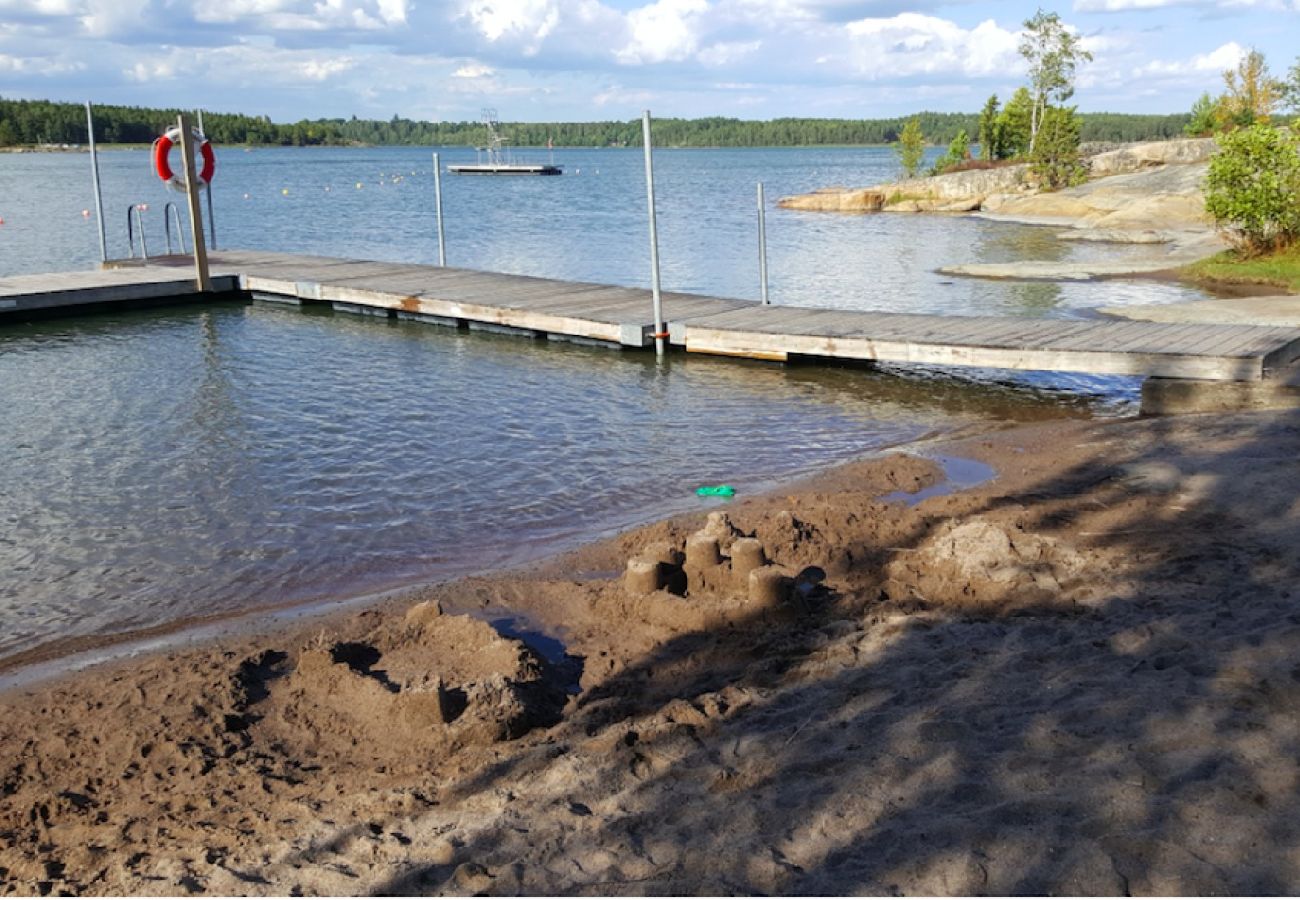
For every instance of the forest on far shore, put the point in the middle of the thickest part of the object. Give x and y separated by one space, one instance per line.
30 122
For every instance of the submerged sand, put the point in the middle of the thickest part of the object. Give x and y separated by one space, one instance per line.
1080 677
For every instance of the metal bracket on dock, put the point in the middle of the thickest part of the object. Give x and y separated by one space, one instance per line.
307 290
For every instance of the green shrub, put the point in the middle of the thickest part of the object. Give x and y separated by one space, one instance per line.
910 147
958 153
1055 160
1253 188
1203 119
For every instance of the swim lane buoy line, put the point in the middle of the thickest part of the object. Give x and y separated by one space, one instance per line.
162 149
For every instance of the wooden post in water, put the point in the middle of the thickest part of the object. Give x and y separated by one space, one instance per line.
654 236
201 278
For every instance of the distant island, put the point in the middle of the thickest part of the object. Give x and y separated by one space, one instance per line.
35 122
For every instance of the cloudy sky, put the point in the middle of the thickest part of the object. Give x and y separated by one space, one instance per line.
537 60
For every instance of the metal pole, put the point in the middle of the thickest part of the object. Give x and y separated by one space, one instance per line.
654 234
762 243
94 175
201 279
207 192
212 223
437 202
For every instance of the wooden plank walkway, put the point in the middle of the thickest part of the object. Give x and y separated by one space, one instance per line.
539 306
620 315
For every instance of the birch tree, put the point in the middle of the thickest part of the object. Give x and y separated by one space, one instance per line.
1054 53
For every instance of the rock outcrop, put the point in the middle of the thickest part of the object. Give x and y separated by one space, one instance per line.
1165 197
1148 187
954 192
1135 157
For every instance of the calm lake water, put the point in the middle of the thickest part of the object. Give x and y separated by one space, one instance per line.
190 462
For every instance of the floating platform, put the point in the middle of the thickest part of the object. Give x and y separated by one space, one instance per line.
622 316
505 169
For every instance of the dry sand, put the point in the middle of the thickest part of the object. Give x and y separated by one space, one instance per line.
1081 677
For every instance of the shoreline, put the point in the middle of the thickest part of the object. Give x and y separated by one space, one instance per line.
78 653
1001 689
75 656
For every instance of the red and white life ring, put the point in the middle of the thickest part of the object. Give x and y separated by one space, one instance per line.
162 149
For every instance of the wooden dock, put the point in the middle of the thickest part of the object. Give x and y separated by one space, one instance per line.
111 287
540 307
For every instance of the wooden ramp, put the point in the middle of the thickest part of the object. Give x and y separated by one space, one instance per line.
542 307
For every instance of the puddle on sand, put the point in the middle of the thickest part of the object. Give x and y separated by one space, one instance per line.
959 473
519 627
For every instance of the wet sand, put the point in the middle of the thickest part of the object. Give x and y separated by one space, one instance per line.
1078 677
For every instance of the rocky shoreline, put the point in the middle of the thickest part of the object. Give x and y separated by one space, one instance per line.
1148 194
1009 191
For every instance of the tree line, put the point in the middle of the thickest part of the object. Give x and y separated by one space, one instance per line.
31 122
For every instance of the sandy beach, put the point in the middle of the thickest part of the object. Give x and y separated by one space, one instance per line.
1077 677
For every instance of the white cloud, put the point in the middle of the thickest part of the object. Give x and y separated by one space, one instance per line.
912 44
147 70
1218 60
525 21
1105 6
42 66
664 31
304 15
728 52
241 64
35 8
474 70
623 98
323 69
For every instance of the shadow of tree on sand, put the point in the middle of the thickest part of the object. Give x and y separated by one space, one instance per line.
1148 743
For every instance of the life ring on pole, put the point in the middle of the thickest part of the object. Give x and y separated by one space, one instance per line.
162 148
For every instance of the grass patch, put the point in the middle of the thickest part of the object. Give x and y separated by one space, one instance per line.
1279 269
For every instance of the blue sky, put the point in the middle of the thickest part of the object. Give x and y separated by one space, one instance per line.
537 60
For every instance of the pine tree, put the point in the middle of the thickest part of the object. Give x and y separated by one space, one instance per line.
990 142
1014 128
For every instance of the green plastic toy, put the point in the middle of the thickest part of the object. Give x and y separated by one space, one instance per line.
716 490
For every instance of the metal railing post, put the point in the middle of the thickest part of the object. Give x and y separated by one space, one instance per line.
212 222
762 244
437 202
94 176
654 234
207 193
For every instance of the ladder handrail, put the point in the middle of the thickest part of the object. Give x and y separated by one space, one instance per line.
168 209
130 231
